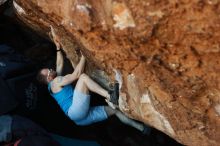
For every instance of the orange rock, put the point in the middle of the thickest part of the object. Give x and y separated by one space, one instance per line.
168 54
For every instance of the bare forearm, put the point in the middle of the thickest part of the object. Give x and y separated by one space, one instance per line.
80 66
59 62
73 64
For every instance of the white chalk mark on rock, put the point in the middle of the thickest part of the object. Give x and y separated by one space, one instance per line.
18 8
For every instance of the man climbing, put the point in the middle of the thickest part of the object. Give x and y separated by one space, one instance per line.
75 101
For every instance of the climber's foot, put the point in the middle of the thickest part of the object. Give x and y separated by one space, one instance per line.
114 93
146 130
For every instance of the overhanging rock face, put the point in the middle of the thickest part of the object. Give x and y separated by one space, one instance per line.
166 52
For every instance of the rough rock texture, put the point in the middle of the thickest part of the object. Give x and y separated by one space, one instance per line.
165 51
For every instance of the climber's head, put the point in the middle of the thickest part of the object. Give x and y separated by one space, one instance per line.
46 75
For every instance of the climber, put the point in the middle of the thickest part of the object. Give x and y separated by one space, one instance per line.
75 102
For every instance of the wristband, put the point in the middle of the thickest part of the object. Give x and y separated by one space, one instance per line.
58 50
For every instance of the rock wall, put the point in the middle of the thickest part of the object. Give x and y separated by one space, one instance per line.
166 54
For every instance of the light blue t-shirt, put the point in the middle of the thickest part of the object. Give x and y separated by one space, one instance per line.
63 97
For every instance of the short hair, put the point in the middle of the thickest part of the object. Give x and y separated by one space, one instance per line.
41 78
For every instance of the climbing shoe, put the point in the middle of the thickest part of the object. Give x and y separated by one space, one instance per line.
114 93
146 130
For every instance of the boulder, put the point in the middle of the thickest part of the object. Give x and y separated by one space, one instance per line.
164 53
